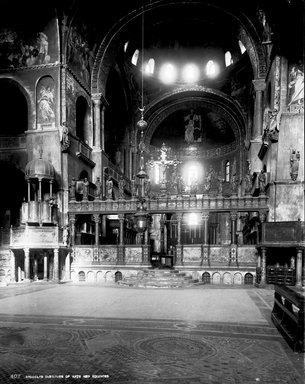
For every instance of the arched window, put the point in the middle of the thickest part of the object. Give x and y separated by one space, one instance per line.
135 57
150 66
228 58
211 69
126 46
242 47
227 171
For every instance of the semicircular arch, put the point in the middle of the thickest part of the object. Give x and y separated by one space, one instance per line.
214 100
107 51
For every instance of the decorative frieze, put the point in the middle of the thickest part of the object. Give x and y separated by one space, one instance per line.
170 204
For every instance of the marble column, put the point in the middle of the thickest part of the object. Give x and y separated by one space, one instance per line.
26 263
299 267
97 220
19 273
35 268
45 266
97 147
179 223
259 87
259 261
13 266
104 231
72 219
96 99
233 218
162 235
56 265
205 218
179 247
264 257
68 267
121 221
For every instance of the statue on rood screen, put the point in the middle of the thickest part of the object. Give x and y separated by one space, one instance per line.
66 235
220 184
207 184
98 191
72 188
109 188
133 187
147 187
262 182
85 189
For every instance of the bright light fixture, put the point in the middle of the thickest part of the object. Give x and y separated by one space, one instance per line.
190 73
168 73
193 218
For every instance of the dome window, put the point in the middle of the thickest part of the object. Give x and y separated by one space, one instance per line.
242 47
228 59
135 57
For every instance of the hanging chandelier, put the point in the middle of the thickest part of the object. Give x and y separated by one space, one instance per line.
141 216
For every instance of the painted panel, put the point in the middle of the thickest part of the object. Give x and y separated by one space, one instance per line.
24 49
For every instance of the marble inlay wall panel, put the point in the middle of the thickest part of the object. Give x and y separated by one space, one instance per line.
192 254
247 255
133 255
108 255
83 256
219 255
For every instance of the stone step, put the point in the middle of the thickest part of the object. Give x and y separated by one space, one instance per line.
159 279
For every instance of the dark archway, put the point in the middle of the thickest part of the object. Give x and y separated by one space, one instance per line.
13 109
12 194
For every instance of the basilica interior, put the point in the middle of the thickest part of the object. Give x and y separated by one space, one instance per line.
152 135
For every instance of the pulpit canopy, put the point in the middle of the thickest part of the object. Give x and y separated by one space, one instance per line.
40 169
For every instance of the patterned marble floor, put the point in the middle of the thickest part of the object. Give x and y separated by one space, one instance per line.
39 348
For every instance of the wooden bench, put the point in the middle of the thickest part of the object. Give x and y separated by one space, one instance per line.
288 315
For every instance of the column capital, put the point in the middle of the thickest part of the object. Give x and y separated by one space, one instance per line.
96 218
121 216
72 219
98 99
233 215
205 216
259 85
262 216
179 216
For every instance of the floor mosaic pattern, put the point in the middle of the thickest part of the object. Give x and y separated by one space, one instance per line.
71 349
